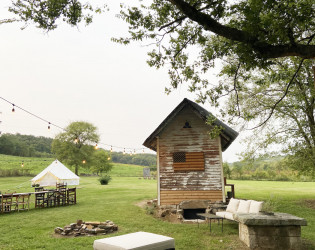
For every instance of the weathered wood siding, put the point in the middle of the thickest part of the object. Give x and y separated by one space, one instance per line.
175 138
171 197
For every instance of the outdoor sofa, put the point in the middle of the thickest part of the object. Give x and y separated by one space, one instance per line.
237 206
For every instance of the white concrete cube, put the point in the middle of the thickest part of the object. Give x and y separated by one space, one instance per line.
138 240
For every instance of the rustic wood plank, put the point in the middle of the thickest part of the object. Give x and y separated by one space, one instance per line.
189 191
187 165
174 197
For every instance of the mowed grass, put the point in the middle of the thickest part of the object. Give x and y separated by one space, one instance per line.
125 170
34 165
34 229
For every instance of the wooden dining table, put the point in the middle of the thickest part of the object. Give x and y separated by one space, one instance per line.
5 206
50 197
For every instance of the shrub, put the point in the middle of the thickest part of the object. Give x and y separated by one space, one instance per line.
150 209
104 180
271 204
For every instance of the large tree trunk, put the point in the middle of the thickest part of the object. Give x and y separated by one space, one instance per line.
76 170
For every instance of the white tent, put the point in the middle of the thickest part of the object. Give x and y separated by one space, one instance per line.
56 172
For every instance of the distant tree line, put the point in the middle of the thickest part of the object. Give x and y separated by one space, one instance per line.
34 146
269 168
25 145
135 159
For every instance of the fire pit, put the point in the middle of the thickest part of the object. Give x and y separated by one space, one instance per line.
82 228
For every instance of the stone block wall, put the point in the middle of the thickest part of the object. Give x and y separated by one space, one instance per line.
271 237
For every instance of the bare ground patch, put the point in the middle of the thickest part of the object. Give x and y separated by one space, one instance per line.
309 203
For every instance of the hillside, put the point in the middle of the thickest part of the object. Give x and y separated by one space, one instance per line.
12 166
33 146
272 168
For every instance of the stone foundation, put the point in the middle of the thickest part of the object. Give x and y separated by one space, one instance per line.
210 207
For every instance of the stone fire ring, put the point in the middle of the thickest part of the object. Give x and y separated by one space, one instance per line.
82 228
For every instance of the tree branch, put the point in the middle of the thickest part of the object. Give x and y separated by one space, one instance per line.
185 44
284 95
178 20
264 49
235 89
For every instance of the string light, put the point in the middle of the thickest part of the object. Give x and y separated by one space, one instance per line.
108 158
76 139
30 113
22 165
83 161
96 146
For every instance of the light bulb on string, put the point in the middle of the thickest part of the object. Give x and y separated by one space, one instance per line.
22 165
84 161
76 140
96 146
108 158
13 110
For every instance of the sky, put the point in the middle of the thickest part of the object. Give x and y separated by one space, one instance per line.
79 74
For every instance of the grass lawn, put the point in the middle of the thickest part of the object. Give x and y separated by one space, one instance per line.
34 165
34 229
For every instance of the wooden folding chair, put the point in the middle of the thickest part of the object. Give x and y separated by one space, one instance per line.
23 202
6 203
61 185
62 194
39 198
39 189
51 199
71 196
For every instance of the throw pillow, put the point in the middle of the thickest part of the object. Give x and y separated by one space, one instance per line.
233 205
255 207
243 207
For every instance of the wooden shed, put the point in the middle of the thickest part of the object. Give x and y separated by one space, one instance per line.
189 162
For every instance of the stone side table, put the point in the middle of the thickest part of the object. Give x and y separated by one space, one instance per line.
278 231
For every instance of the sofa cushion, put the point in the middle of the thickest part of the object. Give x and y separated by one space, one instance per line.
225 215
255 207
229 216
243 207
233 205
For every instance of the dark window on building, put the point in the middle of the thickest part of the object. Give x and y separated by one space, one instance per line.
179 157
187 125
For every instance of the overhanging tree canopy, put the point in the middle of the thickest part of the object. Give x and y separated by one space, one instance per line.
249 38
245 35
